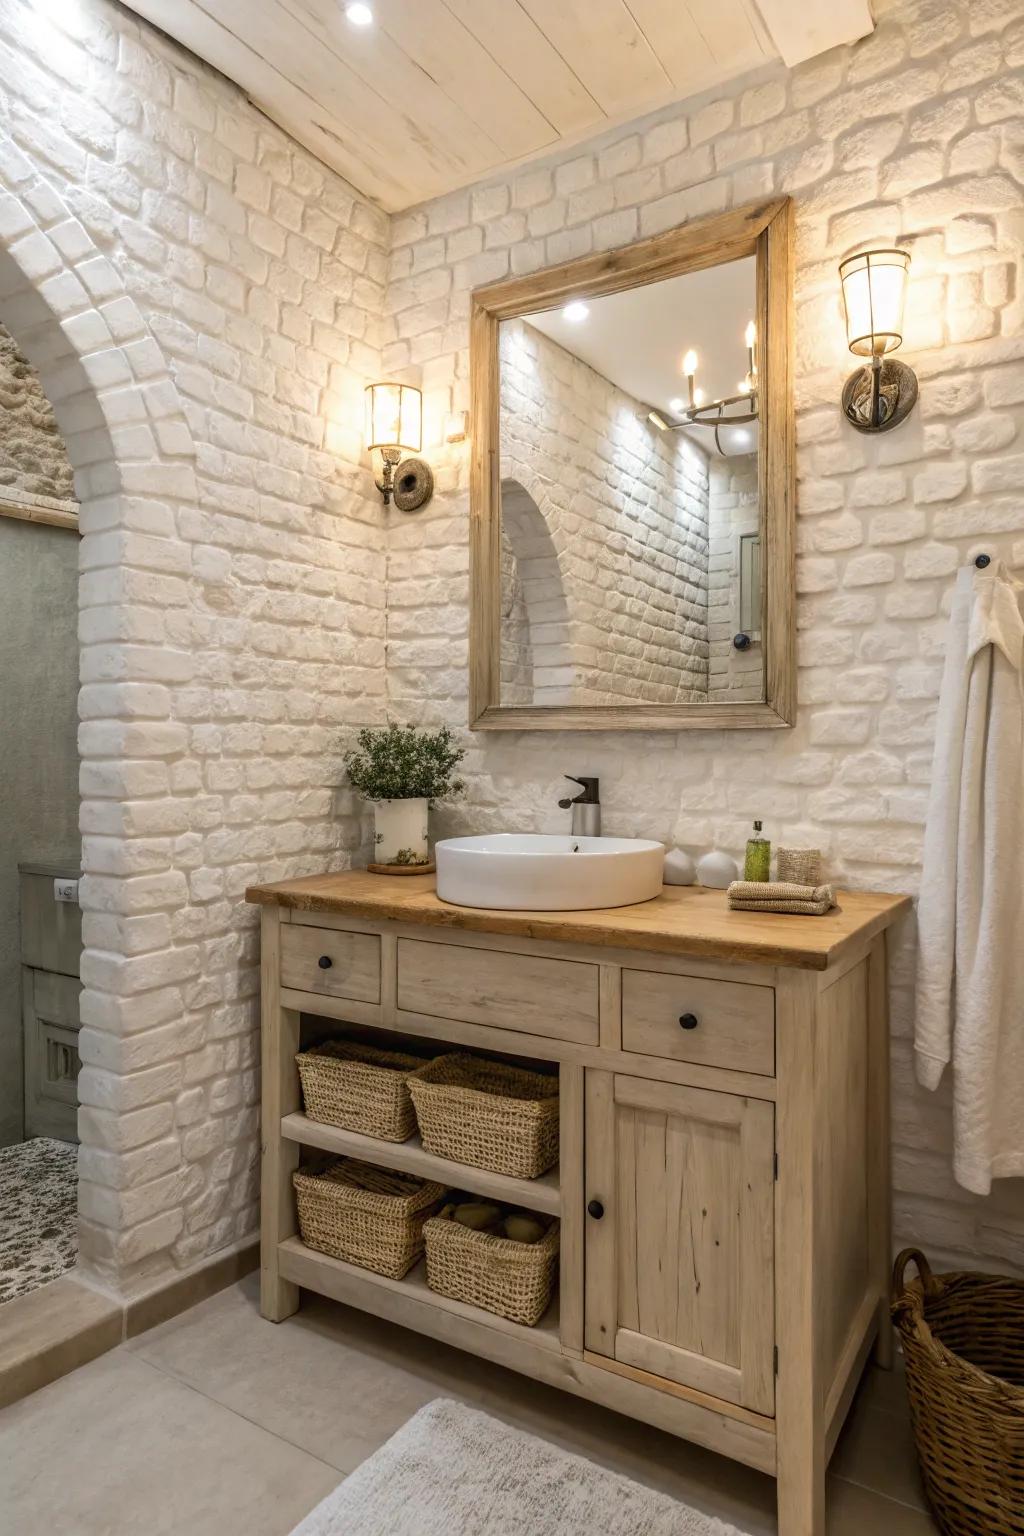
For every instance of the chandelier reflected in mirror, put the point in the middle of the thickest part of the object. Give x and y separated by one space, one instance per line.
728 411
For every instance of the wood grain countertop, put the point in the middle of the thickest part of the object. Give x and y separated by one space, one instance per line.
683 920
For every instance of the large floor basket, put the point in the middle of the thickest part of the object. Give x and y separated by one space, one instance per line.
963 1339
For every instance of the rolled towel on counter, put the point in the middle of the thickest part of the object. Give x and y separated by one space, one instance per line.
781 896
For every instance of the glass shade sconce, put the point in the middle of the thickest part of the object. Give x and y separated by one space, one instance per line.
394 427
878 397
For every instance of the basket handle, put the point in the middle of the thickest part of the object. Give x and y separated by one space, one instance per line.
929 1285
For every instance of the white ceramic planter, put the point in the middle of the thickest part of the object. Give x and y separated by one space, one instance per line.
400 832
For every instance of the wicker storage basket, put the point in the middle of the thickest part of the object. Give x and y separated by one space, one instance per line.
368 1216
488 1115
513 1279
963 1338
359 1088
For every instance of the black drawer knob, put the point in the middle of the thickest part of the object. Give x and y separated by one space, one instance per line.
688 1021
596 1209
325 962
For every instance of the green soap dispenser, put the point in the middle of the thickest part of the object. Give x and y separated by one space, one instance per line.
757 864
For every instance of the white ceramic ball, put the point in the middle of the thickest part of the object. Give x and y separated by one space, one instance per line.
679 868
717 870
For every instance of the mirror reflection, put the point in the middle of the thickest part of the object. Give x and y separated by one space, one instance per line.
630 516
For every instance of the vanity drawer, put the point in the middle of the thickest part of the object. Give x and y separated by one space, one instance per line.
331 961
734 1028
537 996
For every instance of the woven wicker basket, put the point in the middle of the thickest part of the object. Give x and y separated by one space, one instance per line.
368 1216
488 1115
963 1338
359 1088
513 1279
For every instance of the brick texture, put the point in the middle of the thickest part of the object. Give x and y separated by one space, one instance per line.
913 135
606 519
203 302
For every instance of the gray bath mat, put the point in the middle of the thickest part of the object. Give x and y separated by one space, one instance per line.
38 1214
452 1471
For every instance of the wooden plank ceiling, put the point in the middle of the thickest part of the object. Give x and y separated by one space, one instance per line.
436 94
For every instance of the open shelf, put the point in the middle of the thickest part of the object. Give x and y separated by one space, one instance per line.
409 1302
536 1194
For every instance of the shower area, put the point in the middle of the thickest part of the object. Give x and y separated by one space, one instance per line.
40 925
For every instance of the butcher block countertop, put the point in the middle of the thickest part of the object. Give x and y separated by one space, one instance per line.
683 920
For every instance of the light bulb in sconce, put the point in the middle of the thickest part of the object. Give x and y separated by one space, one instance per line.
676 405
690 369
657 421
394 425
743 387
575 312
698 396
883 394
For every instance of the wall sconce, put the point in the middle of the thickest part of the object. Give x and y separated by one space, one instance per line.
394 425
880 396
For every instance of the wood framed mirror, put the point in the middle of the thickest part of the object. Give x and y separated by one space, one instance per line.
631 524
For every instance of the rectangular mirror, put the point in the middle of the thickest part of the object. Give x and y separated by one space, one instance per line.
631 499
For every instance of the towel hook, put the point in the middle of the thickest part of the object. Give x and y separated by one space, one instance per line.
982 560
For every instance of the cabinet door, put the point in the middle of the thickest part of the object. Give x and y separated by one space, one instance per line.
679 1247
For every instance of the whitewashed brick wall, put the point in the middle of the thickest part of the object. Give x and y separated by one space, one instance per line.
913 135
627 513
202 300
624 510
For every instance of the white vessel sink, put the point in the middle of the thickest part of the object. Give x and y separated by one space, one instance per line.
526 871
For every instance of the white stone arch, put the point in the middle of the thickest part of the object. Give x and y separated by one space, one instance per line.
544 601
132 454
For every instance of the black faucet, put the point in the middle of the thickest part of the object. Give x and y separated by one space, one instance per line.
586 808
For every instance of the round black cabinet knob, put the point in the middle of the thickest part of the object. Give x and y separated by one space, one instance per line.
325 962
688 1021
741 641
596 1209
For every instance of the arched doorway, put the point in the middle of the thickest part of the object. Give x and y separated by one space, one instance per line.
131 451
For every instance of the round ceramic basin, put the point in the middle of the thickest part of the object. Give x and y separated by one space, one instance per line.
535 872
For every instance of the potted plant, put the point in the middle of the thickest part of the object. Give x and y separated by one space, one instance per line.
400 770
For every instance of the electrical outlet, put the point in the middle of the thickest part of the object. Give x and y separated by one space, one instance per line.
66 890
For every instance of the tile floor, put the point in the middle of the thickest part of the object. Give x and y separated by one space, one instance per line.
219 1424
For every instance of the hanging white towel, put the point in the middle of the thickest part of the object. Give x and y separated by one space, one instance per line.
970 969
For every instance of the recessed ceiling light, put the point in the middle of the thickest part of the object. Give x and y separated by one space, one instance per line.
359 15
576 311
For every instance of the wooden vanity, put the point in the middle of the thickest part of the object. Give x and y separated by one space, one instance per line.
723 1187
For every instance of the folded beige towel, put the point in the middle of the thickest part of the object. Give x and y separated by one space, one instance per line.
781 896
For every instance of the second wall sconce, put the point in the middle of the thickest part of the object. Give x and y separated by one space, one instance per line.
394 426
878 397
